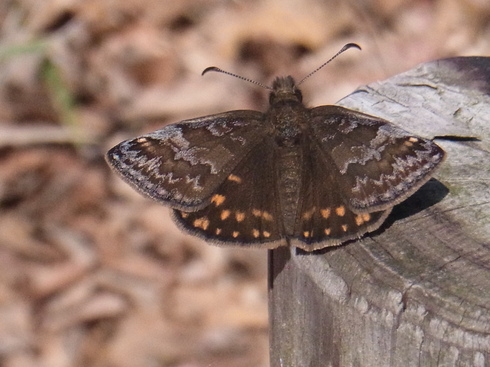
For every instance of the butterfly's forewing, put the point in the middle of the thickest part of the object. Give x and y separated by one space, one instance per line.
183 164
324 216
244 208
379 165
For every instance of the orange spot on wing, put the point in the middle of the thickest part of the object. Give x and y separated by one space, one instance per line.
201 223
366 217
325 213
239 216
218 199
235 178
340 211
225 214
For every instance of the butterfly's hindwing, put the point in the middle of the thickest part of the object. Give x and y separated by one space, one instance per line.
183 164
325 218
243 209
379 164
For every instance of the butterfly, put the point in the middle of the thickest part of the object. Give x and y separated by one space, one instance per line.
292 175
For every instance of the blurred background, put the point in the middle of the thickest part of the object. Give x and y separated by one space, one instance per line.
93 274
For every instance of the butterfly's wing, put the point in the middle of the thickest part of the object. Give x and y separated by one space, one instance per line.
378 164
324 217
244 208
183 164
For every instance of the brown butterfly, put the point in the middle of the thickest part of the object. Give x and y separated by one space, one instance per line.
292 175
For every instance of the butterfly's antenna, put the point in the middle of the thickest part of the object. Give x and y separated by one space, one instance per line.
218 70
345 48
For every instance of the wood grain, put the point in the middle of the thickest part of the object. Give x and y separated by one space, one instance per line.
417 291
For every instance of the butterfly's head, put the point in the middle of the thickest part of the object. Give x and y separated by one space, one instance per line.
285 89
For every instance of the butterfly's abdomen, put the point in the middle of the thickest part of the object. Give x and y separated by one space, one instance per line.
289 179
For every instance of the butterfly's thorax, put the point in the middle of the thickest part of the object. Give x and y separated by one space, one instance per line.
287 116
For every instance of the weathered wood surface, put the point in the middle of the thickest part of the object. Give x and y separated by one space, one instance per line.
417 291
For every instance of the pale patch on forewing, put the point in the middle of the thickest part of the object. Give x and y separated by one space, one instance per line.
403 173
361 154
349 124
137 160
226 130
196 186
173 138
222 128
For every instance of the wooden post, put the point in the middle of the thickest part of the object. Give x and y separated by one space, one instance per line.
417 291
